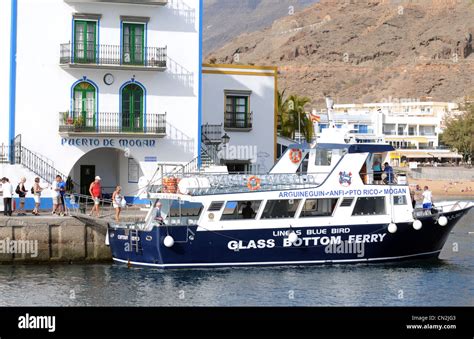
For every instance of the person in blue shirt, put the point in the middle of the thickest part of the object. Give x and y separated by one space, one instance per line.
388 170
62 192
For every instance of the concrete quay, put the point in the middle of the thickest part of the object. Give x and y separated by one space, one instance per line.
49 239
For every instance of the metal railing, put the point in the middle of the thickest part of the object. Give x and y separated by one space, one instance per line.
81 122
113 55
244 183
77 204
238 120
209 156
212 132
209 151
38 165
5 154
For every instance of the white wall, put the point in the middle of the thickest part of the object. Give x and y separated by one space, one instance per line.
5 9
262 104
44 88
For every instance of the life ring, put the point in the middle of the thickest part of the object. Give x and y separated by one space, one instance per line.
253 183
296 155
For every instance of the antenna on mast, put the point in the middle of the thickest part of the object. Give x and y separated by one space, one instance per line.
330 107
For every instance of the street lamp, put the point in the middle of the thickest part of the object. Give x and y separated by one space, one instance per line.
225 139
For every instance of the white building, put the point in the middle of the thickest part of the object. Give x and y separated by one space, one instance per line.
115 88
412 127
240 101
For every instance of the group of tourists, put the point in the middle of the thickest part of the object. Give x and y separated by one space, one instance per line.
58 188
58 191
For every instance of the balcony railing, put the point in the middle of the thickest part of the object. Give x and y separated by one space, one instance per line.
111 56
238 121
213 133
111 123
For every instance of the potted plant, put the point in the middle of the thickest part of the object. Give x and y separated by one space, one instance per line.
78 123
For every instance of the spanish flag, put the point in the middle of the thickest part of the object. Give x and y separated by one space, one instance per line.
314 117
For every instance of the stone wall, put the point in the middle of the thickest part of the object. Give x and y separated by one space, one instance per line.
58 240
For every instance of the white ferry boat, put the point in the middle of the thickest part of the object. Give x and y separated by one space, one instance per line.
319 204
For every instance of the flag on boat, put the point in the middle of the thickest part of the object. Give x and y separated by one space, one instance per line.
314 117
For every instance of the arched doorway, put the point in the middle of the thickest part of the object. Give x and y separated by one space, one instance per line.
84 105
132 108
113 166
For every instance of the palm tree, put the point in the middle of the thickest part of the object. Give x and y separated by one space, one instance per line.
291 112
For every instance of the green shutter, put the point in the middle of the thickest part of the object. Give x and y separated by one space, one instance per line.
133 44
85 47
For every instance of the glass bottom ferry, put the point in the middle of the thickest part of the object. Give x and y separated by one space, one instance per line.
318 205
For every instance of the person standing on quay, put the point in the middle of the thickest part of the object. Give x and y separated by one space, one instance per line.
95 190
21 191
36 190
7 197
62 192
117 202
55 196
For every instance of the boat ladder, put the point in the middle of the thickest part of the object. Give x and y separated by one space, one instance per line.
135 243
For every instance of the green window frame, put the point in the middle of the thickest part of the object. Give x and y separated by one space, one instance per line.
133 44
84 115
237 111
85 41
132 108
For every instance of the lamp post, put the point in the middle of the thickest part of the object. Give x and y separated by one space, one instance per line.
225 139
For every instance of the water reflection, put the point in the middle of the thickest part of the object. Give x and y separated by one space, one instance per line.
446 282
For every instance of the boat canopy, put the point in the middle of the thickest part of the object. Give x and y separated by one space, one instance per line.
359 148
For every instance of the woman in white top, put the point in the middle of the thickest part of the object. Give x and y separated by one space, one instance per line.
117 202
37 195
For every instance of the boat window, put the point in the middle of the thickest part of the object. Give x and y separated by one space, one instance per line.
277 209
347 202
369 206
323 157
175 212
236 210
215 206
318 208
400 200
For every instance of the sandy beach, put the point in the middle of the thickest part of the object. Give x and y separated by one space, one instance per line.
447 188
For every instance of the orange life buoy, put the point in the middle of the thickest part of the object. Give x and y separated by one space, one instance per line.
170 185
253 183
296 155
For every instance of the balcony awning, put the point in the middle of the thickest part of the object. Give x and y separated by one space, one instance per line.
407 138
421 155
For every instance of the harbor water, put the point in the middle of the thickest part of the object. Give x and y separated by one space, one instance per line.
444 282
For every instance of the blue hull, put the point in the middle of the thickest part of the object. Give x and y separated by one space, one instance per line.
331 245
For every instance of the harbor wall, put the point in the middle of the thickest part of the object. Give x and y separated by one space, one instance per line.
443 173
51 239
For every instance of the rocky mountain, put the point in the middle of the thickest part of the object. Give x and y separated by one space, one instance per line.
226 19
367 50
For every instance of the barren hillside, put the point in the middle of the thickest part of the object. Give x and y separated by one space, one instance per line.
226 19
367 50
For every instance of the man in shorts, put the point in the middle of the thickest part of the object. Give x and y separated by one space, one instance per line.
62 191
95 190
56 196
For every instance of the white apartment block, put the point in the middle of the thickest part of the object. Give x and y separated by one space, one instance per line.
116 88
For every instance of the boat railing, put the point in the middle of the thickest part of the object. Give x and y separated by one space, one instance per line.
217 183
443 207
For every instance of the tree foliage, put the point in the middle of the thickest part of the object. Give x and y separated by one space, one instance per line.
459 132
291 112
